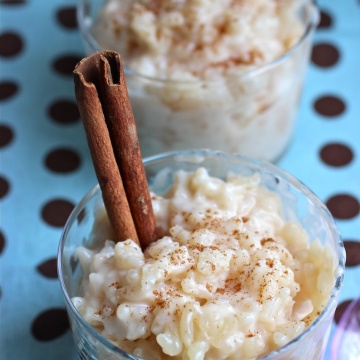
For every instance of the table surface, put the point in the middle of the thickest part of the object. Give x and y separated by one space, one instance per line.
45 167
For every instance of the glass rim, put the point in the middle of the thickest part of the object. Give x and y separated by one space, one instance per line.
292 180
314 17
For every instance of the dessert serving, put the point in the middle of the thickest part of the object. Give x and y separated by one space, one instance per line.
228 278
218 74
201 255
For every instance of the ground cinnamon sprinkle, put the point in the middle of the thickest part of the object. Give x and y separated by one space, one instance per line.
270 262
209 287
198 247
264 241
160 301
116 285
220 290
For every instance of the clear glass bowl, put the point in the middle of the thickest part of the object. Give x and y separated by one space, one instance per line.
346 343
298 202
252 113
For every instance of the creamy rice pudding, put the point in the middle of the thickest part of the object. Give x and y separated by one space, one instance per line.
228 278
220 74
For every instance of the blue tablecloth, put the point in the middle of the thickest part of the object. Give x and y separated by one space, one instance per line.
45 167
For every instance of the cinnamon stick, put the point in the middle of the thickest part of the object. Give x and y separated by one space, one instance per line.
108 120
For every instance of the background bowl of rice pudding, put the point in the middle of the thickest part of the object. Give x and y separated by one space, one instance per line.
224 75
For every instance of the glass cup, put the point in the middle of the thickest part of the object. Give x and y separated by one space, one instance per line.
346 343
252 113
299 204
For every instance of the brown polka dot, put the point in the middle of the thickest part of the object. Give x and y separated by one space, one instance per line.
56 212
329 105
81 216
50 324
62 160
48 268
67 17
4 187
11 44
352 248
325 20
64 111
8 89
341 308
2 242
343 206
324 55
336 154
6 135
12 2
65 64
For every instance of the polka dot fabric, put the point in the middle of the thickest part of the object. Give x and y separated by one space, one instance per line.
326 148
46 168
